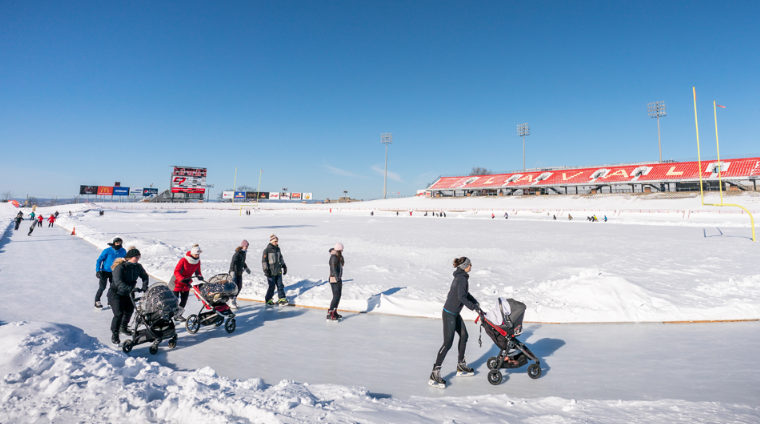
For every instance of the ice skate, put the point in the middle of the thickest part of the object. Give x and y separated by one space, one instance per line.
463 370
436 380
180 318
233 304
98 304
332 316
283 302
115 339
126 331
270 302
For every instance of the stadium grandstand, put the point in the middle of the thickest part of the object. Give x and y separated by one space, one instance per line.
739 174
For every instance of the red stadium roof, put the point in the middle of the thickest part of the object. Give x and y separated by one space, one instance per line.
603 175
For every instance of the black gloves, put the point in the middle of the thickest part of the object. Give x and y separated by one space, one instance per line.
187 280
145 287
284 270
97 274
247 271
200 278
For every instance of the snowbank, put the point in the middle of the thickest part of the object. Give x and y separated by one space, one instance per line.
57 373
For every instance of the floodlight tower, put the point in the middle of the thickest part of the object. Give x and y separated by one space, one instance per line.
386 138
522 131
656 110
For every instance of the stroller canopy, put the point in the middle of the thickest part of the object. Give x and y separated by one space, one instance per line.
510 309
219 288
160 303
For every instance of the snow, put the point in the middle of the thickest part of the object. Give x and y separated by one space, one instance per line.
636 268
57 373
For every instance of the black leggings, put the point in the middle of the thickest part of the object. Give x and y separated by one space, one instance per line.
122 308
452 324
337 289
182 296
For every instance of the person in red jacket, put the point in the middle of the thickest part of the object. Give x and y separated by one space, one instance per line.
51 220
188 266
39 220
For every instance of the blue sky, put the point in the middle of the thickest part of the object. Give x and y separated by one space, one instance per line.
97 92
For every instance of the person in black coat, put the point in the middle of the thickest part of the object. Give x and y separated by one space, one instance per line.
274 268
18 219
125 274
459 296
237 266
336 281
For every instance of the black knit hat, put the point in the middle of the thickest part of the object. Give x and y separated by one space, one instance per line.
132 253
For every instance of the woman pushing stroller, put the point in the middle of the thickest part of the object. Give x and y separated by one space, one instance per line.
458 297
126 271
189 265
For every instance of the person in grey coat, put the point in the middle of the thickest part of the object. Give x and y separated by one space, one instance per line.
274 268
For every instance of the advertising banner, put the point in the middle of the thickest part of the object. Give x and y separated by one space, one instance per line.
239 195
188 180
228 194
135 191
121 191
307 196
88 189
150 192
250 195
295 196
105 191
284 196
263 195
274 196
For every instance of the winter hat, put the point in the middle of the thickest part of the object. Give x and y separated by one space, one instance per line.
195 250
464 264
338 246
244 243
273 238
132 253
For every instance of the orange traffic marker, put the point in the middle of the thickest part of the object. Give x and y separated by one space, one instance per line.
74 231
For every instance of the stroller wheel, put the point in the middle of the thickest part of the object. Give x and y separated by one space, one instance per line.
153 349
534 371
492 363
192 324
127 346
219 322
494 377
173 342
230 325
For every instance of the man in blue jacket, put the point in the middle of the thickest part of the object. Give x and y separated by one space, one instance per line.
103 266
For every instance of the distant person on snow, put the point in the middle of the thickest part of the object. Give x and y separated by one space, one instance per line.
555 217
492 215
605 218
569 217
18 219
70 213
274 268
336 280
34 224
32 215
396 213
506 215
458 297
126 271
56 214
372 213
237 266
189 265
51 220
104 265
39 220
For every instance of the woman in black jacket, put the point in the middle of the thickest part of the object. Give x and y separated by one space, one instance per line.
458 297
336 281
125 274
237 266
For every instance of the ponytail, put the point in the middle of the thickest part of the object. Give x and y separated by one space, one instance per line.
459 261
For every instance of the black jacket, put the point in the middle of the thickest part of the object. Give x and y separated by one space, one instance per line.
18 219
459 294
238 265
125 277
336 268
272 262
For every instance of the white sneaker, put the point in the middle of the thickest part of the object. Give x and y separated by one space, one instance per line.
233 304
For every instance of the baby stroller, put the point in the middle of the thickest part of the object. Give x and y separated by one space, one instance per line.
214 294
154 310
503 325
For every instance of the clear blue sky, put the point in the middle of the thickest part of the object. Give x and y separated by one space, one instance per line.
97 92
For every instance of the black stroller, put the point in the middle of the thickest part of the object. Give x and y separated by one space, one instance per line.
155 311
513 354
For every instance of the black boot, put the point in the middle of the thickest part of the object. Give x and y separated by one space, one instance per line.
125 330
115 339
436 380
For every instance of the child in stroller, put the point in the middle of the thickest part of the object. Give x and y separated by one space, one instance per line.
155 310
214 295
503 324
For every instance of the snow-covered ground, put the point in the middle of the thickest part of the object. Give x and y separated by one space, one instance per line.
287 365
645 267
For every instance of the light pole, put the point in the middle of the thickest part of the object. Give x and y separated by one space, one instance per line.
656 110
345 195
522 131
386 138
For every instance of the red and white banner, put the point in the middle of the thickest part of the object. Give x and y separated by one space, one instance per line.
188 180
274 196
295 196
228 194
284 196
105 191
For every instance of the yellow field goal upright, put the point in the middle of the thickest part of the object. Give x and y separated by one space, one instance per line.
720 179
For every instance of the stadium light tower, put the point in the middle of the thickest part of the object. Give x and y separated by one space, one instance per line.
386 138
522 131
657 110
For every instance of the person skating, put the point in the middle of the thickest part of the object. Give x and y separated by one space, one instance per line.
126 271
31 229
189 265
569 217
237 266
506 215
51 221
32 215
104 265
19 217
605 218
56 214
492 215
336 281
39 220
274 268
458 297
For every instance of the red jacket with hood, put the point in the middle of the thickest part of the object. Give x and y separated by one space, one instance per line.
186 268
